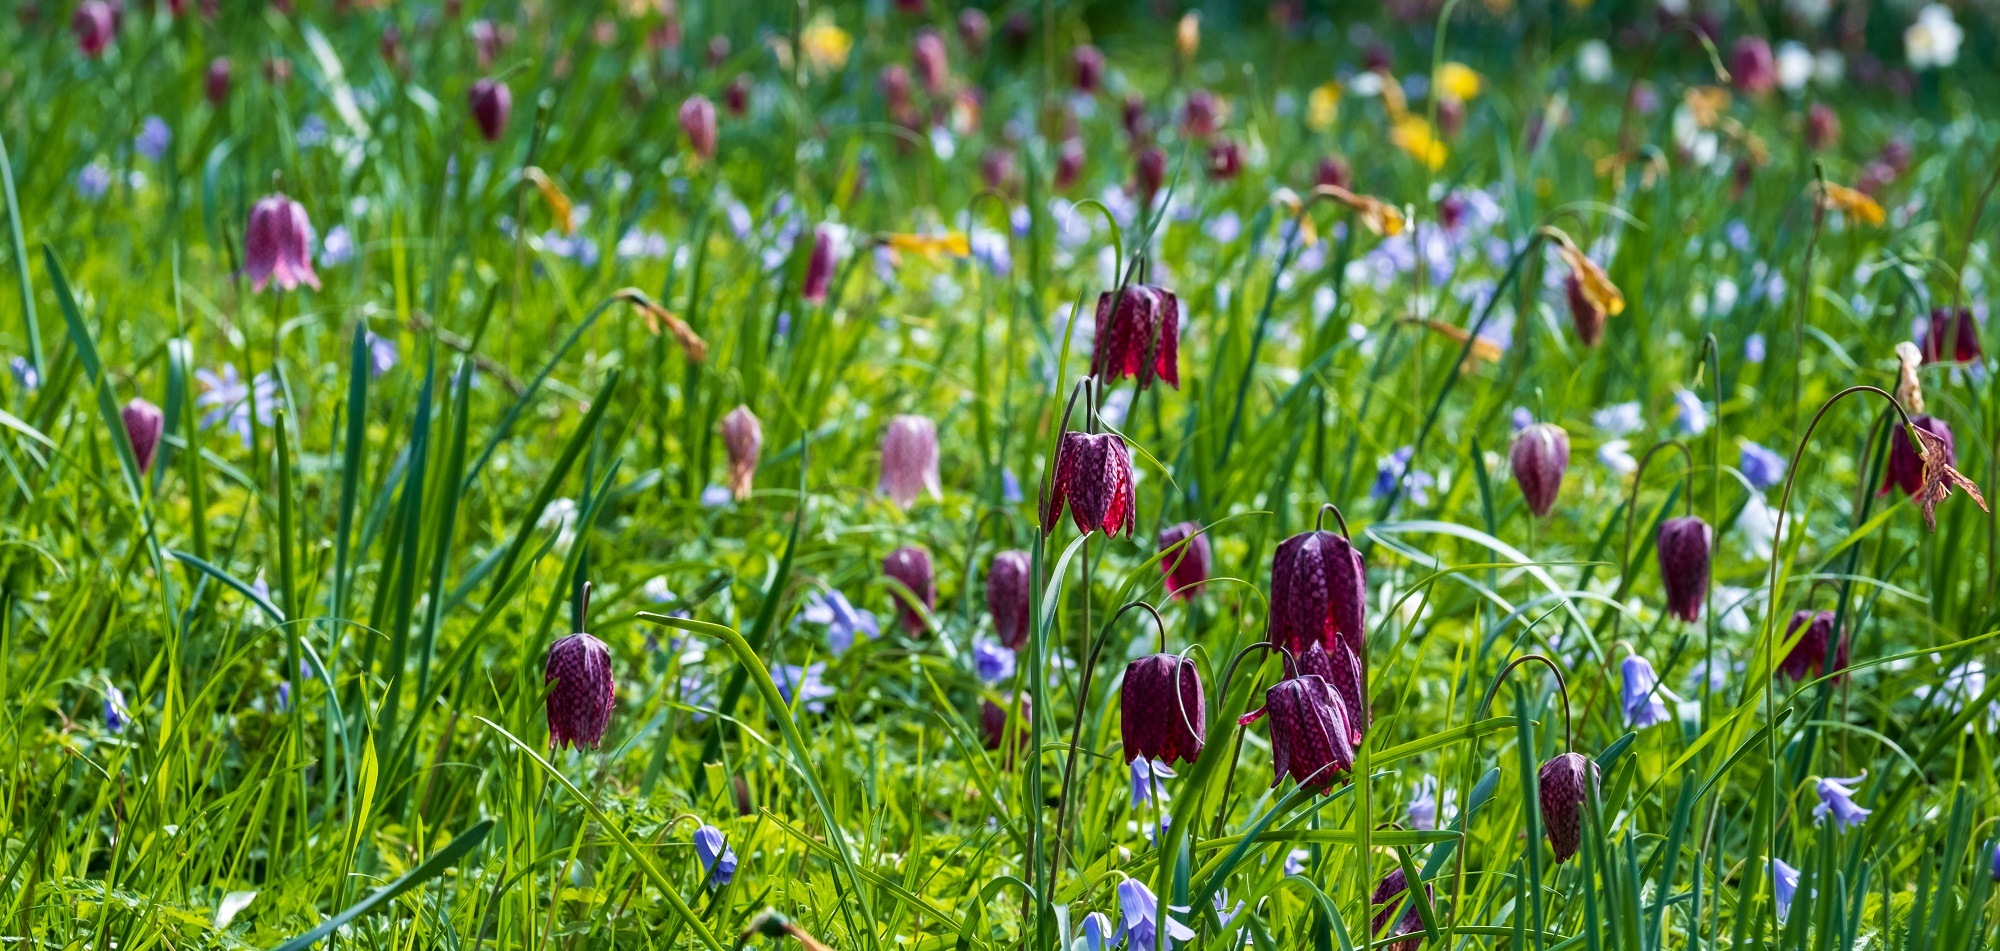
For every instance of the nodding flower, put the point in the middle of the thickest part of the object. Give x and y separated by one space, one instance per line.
1069 164
1309 732
1007 597
1225 159
1132 117
579 707
927 51
492 102
1188 567
1819 651
910 459
1334 170
1087 65
1540 456
1684 558
743 437
1836 798
1163 714
698 124
1640 694
1200 115
1319 593
1093 475
1592 297
993 723
819 268
1563 793
1953 324
143 425
277 244
1341 670
1752 68
1138 335
1149 173
912 566
215 81
718 860
1822 127
974 29
1388 893
94 24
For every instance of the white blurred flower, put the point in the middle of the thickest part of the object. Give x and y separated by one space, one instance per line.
1593 61
1619 419
1933 40
1758 523
1616 455
1795 65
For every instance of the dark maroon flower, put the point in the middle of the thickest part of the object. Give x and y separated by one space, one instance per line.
492 102
1389 892
1540 456
993 722
1342 671
391 46
1563 794
1451 116
1069 164
1164 717
580 705
737 97
819 268
1333 170
718 50
1906 469
1822 127
277 244
143 425
1019 28
1094 476
1225 159
1309 733
1954 324
996 168
974 29
1007 593
912 566
1088 64
1376 57
1752 67
1585 314
1318 593
1188 567
698 124
894 83
1133 117
1149 173
1684 557
215 82
95 23
1897 154
1199 116
928 52
1138 336
1807 658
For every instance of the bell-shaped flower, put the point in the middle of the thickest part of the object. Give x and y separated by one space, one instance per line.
1951 330
1309 732
277 244
1319 593
718 860
1146 776
1563 794
1140 920
1164 716
1187 566
911 566
697 117
1640 696
492 103
1684 558
1094 478
1540 456
910 459
1342 671
143 425
1007 597
1836 798
579 706
1389 894
743 438
1138 335
1784 885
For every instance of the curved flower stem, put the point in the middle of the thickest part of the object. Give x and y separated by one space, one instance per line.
1632 502
1711 353
1562 686
1771 597
1805 301
1326 507
1076 722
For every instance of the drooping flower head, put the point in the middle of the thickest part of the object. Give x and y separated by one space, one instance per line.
1309 732
910 459
927 51
1592 297
844 622
1540 456
1953 325
743 437
1341 670
995 724
215 81
1640 697
1784 885
1138 335
1318 593
1563 793
1808 656
1164 716
1007 597
911 565
1684 557
697 118
1388 895
1836 798
1187 566
143 425
992 660
1225 159
1140 922
1094 477
94 24
579 707
974 29
1201 114
1149 172
277 244
819 268
116 714
492 102
1087 65
718 860
1752 67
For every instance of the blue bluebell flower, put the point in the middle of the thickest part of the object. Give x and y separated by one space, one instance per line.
1689 413
1641 698
1784 884
1616 455
1836 797
1619 419
381 354
1144 782
116 715
93 180
806 681
1426 807
716 496
1762 467
1140 922
842 619
1522 418
1010 486
1394 468
1753 349
25 374
312 132
718 860
1295 861
154 137
1094 932
994 660
337 248
227 397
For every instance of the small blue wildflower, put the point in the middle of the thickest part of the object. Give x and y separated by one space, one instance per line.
1753 349
994 660
1641 698
716 496
1836 797
1690 415
1522 418
312 132
1762 467
1784 884
25 374
806 680
842 619
116 715
1094 932
337 248
381 354
1619 419
93 180
1010 486
718 860
154 137
1145 776
1295 861
1141 919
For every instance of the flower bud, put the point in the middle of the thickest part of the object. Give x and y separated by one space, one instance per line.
996 168
1540 456
912 566
1199 116
698 124
737 97
143 425
974 29
1333 170
1188 567
579 706
819 268
743 437
1587 316
910 459
1752 68
1822 127
1807 658
1137 335
1088 65
1132 116
894 84
277 244
492 102
928 53
1388 893
1069 164
1094 476
94 24
1684 556
1319 591
1563 795
1954 324
993 722
1225 159
1163 714
1007 593
215 82
1149 173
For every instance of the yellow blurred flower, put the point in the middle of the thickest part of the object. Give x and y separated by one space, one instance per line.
1376 215
1706 103
1591 280
826 45
1413 134
559 203
1847 201
1187 35
1482 348
1457 81
1322 107
930 245
658 316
